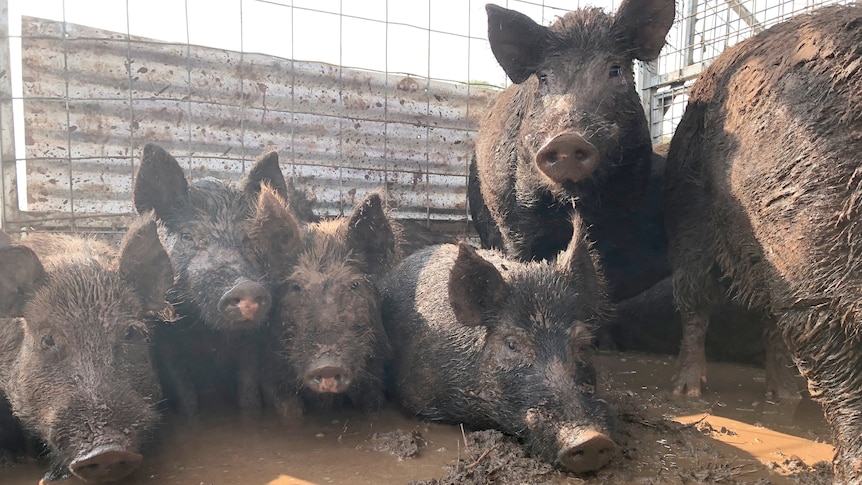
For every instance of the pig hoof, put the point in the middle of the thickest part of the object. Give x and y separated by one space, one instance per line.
688 384
590 452
289 410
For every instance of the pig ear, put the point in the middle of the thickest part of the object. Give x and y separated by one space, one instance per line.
370 235
160 184
266 171
475 287
22 274
580 264
145 264
644 24
517 42
274 230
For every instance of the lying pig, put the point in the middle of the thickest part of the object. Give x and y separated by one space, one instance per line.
491 342
76 365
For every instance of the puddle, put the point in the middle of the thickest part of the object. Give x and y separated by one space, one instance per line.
729 435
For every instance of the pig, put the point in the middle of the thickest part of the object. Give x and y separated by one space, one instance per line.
331 342
223 242
491 342
12 442
763 189
570 136
75 360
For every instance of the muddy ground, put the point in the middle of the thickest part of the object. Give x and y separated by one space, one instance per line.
730 435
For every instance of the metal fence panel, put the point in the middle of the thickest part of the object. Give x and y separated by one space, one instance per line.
703 29
93 98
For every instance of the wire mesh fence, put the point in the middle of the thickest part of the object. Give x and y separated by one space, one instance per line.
355 95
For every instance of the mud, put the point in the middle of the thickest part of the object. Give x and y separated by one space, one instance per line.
730 435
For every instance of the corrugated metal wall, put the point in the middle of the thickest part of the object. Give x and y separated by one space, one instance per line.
93 98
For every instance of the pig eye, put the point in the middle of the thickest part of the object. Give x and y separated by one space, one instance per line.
543 78
615 71
512 345
354 285
186 236
295 287
48 342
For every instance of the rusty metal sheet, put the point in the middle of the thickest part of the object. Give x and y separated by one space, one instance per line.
93 98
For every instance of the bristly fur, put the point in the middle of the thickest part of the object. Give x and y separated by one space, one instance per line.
329 305
575 81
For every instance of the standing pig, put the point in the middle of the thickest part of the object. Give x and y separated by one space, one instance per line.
223 242
495 343
330 337
763 189
76 368
571 136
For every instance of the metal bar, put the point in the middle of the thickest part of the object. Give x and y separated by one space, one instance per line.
745 15
689 31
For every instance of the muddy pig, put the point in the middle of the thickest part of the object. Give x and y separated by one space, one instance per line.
763 189
491 342
223 242
570 135
328 328
76 366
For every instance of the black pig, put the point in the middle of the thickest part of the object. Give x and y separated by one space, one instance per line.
223 243
571 136
77 368
329 331
763 190
495 343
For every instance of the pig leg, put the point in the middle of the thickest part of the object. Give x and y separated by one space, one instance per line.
277 394
781 373
690 371
369 396
248 377
180 385
696 293
829 356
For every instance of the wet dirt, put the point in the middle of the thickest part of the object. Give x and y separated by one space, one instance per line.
729 435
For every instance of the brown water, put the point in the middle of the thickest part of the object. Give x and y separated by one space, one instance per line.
737 433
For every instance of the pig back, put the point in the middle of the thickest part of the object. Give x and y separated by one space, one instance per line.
58 250
429 345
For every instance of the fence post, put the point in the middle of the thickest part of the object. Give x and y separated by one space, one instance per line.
8 170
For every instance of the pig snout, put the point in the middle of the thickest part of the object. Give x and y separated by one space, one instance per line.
105 464
567 158
328 375
585 450
246 302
